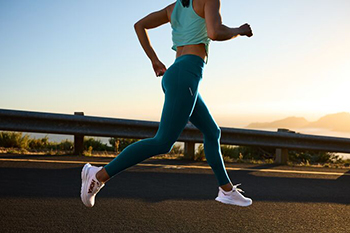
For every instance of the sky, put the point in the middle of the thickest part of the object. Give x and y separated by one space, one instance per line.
83 55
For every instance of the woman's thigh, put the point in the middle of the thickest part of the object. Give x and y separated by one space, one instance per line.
181 91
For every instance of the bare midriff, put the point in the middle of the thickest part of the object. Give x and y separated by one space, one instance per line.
196 49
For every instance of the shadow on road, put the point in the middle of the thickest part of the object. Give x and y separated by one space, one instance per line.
159 184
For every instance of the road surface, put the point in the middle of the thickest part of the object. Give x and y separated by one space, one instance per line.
43 195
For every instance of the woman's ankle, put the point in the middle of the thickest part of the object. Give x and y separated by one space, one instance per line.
227 187
102 176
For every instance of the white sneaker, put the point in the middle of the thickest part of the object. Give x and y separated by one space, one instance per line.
90 186
233 197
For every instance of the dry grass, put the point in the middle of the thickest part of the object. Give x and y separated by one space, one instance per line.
107 154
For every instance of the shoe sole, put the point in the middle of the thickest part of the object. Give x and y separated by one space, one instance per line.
224 201
83 184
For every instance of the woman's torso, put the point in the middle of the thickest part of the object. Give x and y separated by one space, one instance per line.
196 49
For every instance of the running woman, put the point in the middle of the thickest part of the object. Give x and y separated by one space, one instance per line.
194 23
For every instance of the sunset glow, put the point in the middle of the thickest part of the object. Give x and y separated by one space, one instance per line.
84 56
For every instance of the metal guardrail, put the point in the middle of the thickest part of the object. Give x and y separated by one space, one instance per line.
80 126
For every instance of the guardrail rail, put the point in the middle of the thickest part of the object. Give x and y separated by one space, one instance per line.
80 126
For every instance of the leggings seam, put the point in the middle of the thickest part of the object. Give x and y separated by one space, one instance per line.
176 99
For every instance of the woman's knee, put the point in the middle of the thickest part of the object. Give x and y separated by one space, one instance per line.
218 132
163 146
166 148
215 134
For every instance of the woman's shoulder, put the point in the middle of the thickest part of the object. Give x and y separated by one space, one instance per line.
169 9
198 6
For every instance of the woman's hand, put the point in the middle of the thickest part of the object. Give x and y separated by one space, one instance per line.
246 30
159 68
153 20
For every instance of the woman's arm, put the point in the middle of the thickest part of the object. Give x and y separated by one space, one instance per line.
152 20
216 30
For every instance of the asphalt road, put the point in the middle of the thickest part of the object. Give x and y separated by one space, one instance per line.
45 197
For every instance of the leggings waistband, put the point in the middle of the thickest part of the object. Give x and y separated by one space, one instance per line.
192 58
191 62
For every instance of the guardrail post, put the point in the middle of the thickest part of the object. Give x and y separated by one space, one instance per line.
78 140
282 154
189 150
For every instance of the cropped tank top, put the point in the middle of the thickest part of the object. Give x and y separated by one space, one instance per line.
188 27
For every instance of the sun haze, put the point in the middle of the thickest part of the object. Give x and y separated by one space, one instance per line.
66 56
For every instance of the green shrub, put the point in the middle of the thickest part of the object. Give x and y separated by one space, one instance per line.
347 162
119 144
313 157
45 144
39 144
24 142
247 152
230 151
199 155
176 150
96 145
239 153
265 153
65 145
14 140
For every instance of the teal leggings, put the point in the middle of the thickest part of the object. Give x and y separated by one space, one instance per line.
182 103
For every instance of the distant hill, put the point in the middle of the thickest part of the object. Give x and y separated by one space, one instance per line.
289 122
336 122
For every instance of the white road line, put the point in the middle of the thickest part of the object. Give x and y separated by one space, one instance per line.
49 161
181 167
258 170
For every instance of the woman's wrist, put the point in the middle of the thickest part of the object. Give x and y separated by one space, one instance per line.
154 59
236 32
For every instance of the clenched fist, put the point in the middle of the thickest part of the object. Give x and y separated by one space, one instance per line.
246 30
159 68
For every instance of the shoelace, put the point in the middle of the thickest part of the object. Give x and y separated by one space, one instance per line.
237 189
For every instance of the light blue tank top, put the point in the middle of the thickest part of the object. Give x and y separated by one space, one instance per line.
188 27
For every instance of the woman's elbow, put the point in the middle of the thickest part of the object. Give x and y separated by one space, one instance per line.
138 25
213 35
213 32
